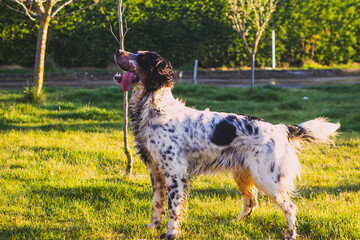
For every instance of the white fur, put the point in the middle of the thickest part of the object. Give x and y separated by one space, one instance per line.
321 129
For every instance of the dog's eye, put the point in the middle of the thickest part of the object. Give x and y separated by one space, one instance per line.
142 57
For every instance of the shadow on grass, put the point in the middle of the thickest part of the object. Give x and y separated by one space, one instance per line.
14 100
114 189
305 192
98 194
70 98
25 232
63 127
33 232
316 191
4 125
85 115
121 190
205 193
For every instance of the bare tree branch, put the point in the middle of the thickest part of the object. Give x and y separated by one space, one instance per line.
112 32
126 29
240 28
61 7
256 9
76 11
32 15
251 16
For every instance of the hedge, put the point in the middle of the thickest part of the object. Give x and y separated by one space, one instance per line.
326 32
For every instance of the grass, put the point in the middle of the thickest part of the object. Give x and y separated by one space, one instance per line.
62 168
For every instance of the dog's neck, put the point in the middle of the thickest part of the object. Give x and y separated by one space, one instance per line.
145 105
160 99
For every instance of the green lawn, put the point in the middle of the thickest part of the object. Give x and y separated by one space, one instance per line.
62 168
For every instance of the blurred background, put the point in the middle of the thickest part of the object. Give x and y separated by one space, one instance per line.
309 34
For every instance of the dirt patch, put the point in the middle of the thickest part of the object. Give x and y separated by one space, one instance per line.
282 78
11 67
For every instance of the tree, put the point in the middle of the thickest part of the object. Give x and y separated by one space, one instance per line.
251 17
42 11
126 145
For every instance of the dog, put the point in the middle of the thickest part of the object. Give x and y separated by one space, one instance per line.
176 142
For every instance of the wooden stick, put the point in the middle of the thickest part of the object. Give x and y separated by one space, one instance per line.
126 146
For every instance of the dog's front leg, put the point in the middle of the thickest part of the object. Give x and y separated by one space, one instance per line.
159 191
176 186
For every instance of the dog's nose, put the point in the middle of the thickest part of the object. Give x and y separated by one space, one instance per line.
119 52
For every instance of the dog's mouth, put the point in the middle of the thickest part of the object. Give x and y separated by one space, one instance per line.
126 79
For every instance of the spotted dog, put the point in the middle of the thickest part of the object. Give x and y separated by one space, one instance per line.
176 142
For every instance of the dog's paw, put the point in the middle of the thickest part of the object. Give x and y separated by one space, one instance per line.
244 215
290 234
168 236
153 225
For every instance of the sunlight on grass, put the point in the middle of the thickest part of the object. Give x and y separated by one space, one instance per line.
62 168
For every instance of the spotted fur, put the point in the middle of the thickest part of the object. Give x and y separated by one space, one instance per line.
176 142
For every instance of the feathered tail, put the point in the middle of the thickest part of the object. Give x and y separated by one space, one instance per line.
314 131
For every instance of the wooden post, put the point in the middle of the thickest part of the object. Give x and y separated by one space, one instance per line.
181 73
273 48
195 71
252 72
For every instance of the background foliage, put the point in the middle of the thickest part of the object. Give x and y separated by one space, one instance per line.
323 31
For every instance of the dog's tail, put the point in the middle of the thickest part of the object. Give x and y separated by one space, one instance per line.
314 131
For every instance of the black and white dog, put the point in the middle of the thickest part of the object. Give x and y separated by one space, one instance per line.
176 142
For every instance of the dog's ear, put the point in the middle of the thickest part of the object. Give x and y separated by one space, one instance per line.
160 75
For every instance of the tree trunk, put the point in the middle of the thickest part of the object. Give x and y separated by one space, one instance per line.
303 49
127 150
40 53
252 71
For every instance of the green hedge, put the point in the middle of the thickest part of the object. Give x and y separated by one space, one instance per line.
184 30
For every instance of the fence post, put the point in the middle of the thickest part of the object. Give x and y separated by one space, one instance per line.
195 71
181 73
273 49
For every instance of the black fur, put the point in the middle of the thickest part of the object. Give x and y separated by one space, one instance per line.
250 125
159 71
224 132
297 132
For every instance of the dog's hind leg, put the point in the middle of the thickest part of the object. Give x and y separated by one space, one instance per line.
248 192
280 196
176 186
289 209
159 191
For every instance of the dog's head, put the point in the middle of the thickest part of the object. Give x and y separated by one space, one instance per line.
146 68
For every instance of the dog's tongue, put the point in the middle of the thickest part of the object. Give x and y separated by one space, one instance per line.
126 81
